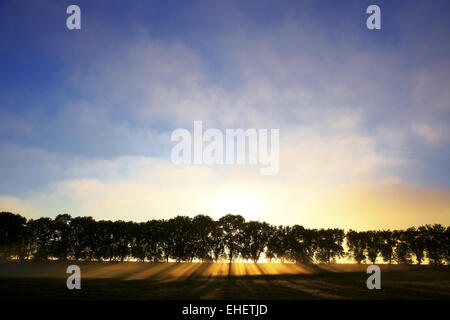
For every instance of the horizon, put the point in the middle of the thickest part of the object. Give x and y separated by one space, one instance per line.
205 240
205 214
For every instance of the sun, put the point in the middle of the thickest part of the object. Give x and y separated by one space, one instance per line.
237 200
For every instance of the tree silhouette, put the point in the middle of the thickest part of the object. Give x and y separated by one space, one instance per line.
202 232
138 239
356 243
415 240
435 243
40 238
329 245
233 229
82 238
217 241
255 238
60 245
277 246
446 245
184 239
12 235
181 248
153 243
388 243
402 252
373 244
301 244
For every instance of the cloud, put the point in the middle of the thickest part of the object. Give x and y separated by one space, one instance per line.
426 132
16 205
320 186
162 191
352 112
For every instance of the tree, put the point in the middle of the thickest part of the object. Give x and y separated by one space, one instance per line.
356 245
104 241
435 243
301 244
40 238
329 245
233 228
388 243
446 246
82 238
255 238
277 246
12 235
166 242
122 239
373 244
184 239
137 241
402 252
217 241
415 240
180 233
147 237
202 230
60 244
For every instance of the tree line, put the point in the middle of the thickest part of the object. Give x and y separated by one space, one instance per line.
204 239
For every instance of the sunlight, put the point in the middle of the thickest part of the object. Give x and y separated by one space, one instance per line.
241 201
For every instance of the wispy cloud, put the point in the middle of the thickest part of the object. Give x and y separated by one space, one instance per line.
355 110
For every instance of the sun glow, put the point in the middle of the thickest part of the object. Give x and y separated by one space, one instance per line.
243 201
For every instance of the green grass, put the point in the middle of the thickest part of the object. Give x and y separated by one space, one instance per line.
135 280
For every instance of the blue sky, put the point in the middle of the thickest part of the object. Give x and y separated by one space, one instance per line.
89 113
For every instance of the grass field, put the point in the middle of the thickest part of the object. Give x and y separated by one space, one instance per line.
135 280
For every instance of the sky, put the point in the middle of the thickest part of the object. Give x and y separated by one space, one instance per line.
364 115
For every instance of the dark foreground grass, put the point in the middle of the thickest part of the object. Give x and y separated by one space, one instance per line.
133 280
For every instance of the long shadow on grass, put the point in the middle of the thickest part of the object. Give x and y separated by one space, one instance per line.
196 282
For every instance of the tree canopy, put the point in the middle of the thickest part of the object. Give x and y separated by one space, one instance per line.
204 239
